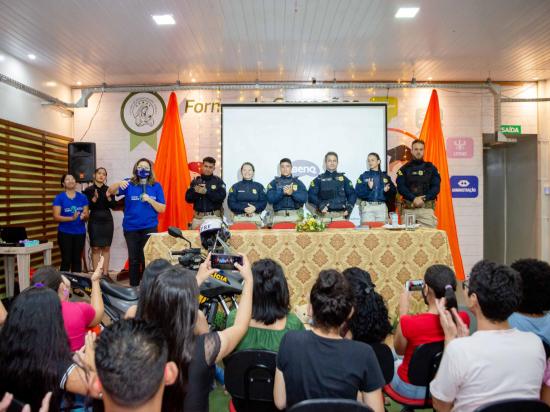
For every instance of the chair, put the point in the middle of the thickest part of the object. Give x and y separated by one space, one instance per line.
249 378
243 226
341 224
385 360
514 405
473 319
329 405
422 369
284 225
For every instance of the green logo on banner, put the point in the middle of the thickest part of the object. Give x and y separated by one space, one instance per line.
142 114
510 128
391 104
150 139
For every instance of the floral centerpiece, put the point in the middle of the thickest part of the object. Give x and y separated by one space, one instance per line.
310 224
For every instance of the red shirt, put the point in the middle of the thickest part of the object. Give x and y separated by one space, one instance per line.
77 316
420 329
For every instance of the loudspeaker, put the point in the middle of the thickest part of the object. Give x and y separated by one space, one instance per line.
82 161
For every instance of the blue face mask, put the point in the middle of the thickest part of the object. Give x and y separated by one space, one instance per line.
143 173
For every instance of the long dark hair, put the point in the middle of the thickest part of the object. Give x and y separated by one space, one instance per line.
271 299
33 346
441 279
171 302
152 270
370 322
331 299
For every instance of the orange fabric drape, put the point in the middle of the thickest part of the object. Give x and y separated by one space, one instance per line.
435 152
172 170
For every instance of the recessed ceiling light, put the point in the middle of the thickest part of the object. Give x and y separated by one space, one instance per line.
406 12
2 58
31 56
163 19
535 78
51 84
79 83
430 78
193 80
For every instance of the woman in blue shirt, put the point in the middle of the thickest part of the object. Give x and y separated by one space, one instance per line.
144 200
70 209
247 198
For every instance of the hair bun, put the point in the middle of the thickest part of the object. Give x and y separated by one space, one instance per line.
327 280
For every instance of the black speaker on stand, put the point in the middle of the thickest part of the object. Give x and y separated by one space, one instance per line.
82 161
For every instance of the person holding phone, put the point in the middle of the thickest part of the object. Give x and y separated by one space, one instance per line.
415 330
287 195
331 193
247 199
70 209
100 224
144 200
206 193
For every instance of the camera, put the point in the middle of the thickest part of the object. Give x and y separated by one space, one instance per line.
414 285
224 261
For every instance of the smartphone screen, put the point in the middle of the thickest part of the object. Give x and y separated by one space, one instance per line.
223 261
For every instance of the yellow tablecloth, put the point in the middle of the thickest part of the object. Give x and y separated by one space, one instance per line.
391 257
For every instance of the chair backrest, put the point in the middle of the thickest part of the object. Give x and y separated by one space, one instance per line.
514 405
473 320
341 224
424 363
385 360
284 225
329 405
243 226
249 375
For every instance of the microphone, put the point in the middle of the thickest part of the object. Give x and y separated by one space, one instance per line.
143 187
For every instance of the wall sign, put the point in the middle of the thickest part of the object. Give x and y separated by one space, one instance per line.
464 186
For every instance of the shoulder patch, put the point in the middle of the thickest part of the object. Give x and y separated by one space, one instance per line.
340 178
269 186
399 172
254 191
312 184
231 190
359 181
294 187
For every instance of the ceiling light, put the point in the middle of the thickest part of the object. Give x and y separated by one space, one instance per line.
31 56
430 78
163 19
193 80
535 78
2 58
79 83
51 84
406 12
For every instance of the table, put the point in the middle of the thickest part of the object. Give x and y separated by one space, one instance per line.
391 257
23 256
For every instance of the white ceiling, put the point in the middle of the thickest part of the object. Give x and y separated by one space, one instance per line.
117 42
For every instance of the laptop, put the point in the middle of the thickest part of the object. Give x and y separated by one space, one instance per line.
11 236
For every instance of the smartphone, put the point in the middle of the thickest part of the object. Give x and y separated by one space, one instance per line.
414 285
226 262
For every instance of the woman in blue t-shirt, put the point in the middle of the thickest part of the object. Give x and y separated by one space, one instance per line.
144 200
70 209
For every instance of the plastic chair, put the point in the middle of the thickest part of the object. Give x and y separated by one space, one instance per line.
422 369
329 405
514 405
249 379
385 360
243 226
341 224
284 225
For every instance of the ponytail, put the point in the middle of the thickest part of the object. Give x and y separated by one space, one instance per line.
450 298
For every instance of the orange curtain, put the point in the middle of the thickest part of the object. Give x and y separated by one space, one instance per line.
172 170
435 152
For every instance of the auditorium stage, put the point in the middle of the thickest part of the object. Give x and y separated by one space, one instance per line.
391 257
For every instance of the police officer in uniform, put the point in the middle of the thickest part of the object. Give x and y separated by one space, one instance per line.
331 193
206 193
287 195
374 188
418 182
247 199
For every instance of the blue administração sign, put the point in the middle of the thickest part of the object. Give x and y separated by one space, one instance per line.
464 186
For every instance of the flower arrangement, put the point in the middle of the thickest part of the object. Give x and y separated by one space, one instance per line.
310 224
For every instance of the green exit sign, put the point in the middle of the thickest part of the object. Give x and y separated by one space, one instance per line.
510 128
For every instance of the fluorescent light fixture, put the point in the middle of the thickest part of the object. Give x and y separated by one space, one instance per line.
163 19
406 12
51 84
31 56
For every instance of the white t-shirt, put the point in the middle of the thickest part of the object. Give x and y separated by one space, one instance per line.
490 366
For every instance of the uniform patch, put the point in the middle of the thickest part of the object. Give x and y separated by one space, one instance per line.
341 178
385 180
213 187
231 190
294 187
399 172
254 191
312 184
420 172
359 181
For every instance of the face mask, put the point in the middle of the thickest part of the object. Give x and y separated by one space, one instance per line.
143 173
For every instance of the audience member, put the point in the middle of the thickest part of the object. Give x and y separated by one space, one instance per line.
34 352
497 362
78 317
271 316
172 303
124 351
532 314
321 364
370 322
415 330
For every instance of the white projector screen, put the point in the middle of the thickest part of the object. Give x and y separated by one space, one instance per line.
263 134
